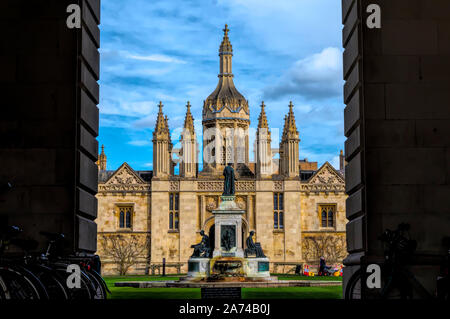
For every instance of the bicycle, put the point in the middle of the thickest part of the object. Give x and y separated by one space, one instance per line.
397 282
45 276
89 277
16 281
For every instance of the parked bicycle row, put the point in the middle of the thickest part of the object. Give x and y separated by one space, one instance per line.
47 275
396 280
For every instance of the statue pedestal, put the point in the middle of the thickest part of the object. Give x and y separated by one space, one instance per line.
228 262
257 267
228 228
198 267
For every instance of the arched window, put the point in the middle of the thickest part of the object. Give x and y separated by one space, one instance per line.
330 218
125 217
174 204
121 219
327 215
275 220
128 219
324 217
278 218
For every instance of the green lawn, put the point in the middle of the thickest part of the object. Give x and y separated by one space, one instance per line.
247 293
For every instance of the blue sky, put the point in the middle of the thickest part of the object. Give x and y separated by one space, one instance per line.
168 50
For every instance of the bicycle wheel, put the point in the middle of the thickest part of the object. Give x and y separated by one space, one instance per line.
354 287
53 282
86 289
4 293
20 284
100 292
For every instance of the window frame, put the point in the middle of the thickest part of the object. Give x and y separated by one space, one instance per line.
278 211
174 211
128 209
327 206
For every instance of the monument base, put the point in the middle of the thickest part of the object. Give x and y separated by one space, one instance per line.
257 267
198 267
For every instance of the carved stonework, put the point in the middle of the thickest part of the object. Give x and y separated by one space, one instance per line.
322 188
213 186
124 176
124 188
241 201
326 179
245 186
211 203
174 186
124 180
326 175
217 186
278 186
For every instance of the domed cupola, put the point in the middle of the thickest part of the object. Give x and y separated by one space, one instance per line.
226 102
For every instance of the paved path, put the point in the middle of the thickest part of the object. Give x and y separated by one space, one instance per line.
189 284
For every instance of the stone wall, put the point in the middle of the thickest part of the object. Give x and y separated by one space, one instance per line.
199 198
397 124
49 121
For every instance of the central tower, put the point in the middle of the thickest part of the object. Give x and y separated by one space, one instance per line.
225 119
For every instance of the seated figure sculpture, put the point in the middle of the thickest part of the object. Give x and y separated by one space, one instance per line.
253 248
202 249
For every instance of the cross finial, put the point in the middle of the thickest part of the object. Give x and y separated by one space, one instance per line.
262 104
226 30
160 105
188 105
291 105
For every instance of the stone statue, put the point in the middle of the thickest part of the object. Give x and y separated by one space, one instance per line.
253 248
202 249
228 185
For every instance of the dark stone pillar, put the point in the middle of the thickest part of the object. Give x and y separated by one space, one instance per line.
49 119
397 125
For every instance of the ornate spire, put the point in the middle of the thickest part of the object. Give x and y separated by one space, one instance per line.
225 46
283 135
161 123
189 120
289 146
262 119
225 94
166 122
102 159
291 126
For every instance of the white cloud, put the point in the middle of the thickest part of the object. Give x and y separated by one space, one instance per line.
288 26
318 76
139 108
155 58
139 142
146 122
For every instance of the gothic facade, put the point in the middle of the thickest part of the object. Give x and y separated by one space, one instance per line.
296 208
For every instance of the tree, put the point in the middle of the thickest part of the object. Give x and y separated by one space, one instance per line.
123 250
332 247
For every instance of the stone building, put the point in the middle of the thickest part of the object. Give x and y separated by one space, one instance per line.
296 209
